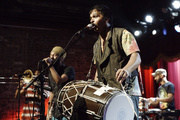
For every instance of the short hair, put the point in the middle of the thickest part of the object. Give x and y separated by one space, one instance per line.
104 10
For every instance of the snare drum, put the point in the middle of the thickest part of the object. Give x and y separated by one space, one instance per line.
101 102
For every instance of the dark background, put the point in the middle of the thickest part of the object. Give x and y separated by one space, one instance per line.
29 29
64 18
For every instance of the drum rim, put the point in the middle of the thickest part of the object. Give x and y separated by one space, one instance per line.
108 103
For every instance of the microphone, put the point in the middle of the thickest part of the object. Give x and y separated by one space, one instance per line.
49 60
88 27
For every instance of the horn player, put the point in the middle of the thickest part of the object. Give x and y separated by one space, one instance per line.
31 97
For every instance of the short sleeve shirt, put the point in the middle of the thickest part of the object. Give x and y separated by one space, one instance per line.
129 43
163 91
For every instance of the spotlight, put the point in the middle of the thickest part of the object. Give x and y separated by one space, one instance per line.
137 32
177 28
154 32
149 18
176 4
175 14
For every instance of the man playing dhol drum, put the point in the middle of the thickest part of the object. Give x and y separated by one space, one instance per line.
116 54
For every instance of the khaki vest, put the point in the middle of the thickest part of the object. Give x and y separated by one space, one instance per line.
113 57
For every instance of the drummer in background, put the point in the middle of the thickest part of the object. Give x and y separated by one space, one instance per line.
165 95
116 54
59 75
27 113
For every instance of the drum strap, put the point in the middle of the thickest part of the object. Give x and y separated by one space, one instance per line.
89 73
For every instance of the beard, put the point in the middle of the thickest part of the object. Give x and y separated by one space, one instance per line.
159 80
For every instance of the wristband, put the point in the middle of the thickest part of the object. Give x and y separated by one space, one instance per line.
127 72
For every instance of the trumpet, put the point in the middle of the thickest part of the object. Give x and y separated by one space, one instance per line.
28 75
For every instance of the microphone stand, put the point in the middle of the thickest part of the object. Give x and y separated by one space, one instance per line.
42 117
19 89
34 91
81 34
19 97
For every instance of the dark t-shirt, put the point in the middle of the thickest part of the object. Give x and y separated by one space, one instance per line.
163 91
70 72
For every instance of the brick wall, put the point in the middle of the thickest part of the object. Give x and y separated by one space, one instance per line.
22 47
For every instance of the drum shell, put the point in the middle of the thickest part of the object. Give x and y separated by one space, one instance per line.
95 104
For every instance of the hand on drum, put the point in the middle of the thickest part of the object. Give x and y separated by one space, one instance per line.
121 75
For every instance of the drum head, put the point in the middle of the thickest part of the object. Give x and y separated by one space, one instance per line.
120 107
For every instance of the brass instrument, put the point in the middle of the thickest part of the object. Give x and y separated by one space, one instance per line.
29 77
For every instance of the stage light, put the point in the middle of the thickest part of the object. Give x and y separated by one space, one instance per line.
164 31
141 22
154 32
137 32
177 28
175 14
176 4
149 18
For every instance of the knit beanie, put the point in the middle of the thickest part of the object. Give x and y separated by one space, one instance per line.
58 50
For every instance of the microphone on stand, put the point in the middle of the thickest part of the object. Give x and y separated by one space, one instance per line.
49 60
88 27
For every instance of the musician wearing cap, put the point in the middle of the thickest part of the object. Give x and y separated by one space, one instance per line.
59 75
165 93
